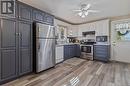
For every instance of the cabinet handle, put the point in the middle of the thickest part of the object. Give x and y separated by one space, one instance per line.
20 35
17 34
38 46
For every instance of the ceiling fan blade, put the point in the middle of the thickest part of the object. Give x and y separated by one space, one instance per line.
77 10
87 7
93 11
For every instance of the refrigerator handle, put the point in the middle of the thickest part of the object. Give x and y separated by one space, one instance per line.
38 46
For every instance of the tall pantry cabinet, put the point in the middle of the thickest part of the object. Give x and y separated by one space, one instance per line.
16 44
15 48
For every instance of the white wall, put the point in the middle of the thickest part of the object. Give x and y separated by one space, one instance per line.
58 22
58 32
73 31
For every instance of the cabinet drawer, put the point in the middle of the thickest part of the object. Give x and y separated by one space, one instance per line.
101 47
101 55
102 59
105 52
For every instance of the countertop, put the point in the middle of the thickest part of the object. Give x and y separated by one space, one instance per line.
80 44
102 44
66 44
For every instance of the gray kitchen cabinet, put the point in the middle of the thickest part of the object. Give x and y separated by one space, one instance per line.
8 50
78 50
66 52
25 57
15 49
24 12
8 64
102 52
48 19
38 15
71 51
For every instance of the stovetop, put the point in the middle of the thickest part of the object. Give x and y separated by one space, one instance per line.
88 43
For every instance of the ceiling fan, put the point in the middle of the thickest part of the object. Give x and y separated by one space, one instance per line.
85 10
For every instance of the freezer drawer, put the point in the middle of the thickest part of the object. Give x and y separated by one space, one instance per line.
45 54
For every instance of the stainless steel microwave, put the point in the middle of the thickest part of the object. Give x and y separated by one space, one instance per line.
101 38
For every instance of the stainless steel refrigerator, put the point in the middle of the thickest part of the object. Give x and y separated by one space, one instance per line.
44 43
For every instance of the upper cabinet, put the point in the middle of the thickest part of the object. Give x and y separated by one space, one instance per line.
38 15
102 28
49 19
85 28
25 12
43 17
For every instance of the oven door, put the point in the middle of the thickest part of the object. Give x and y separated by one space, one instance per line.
86 49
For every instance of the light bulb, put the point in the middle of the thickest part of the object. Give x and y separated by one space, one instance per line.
83 16
86 13
80 13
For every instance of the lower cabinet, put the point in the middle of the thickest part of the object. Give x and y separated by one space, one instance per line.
71 51
78 51
15 49
8 67
102 52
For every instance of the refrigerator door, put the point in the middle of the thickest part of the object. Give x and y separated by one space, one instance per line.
45 54
45 31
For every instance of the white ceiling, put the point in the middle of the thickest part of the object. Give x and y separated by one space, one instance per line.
63 8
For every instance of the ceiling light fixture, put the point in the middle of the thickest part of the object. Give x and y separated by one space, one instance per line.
85 10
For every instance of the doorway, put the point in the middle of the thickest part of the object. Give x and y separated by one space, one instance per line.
120 40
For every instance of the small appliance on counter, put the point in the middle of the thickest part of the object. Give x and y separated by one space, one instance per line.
43 46
84 34
101 39
72 39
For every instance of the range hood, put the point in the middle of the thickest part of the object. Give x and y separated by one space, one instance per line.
88 33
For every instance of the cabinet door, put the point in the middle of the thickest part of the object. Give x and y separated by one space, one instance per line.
66 52
25 12
25 57
78 51
72 49
8 64
8 49
48 19
38 15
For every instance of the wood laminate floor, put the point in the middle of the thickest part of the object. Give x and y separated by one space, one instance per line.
79 72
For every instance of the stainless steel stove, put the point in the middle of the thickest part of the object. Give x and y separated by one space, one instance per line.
87 50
